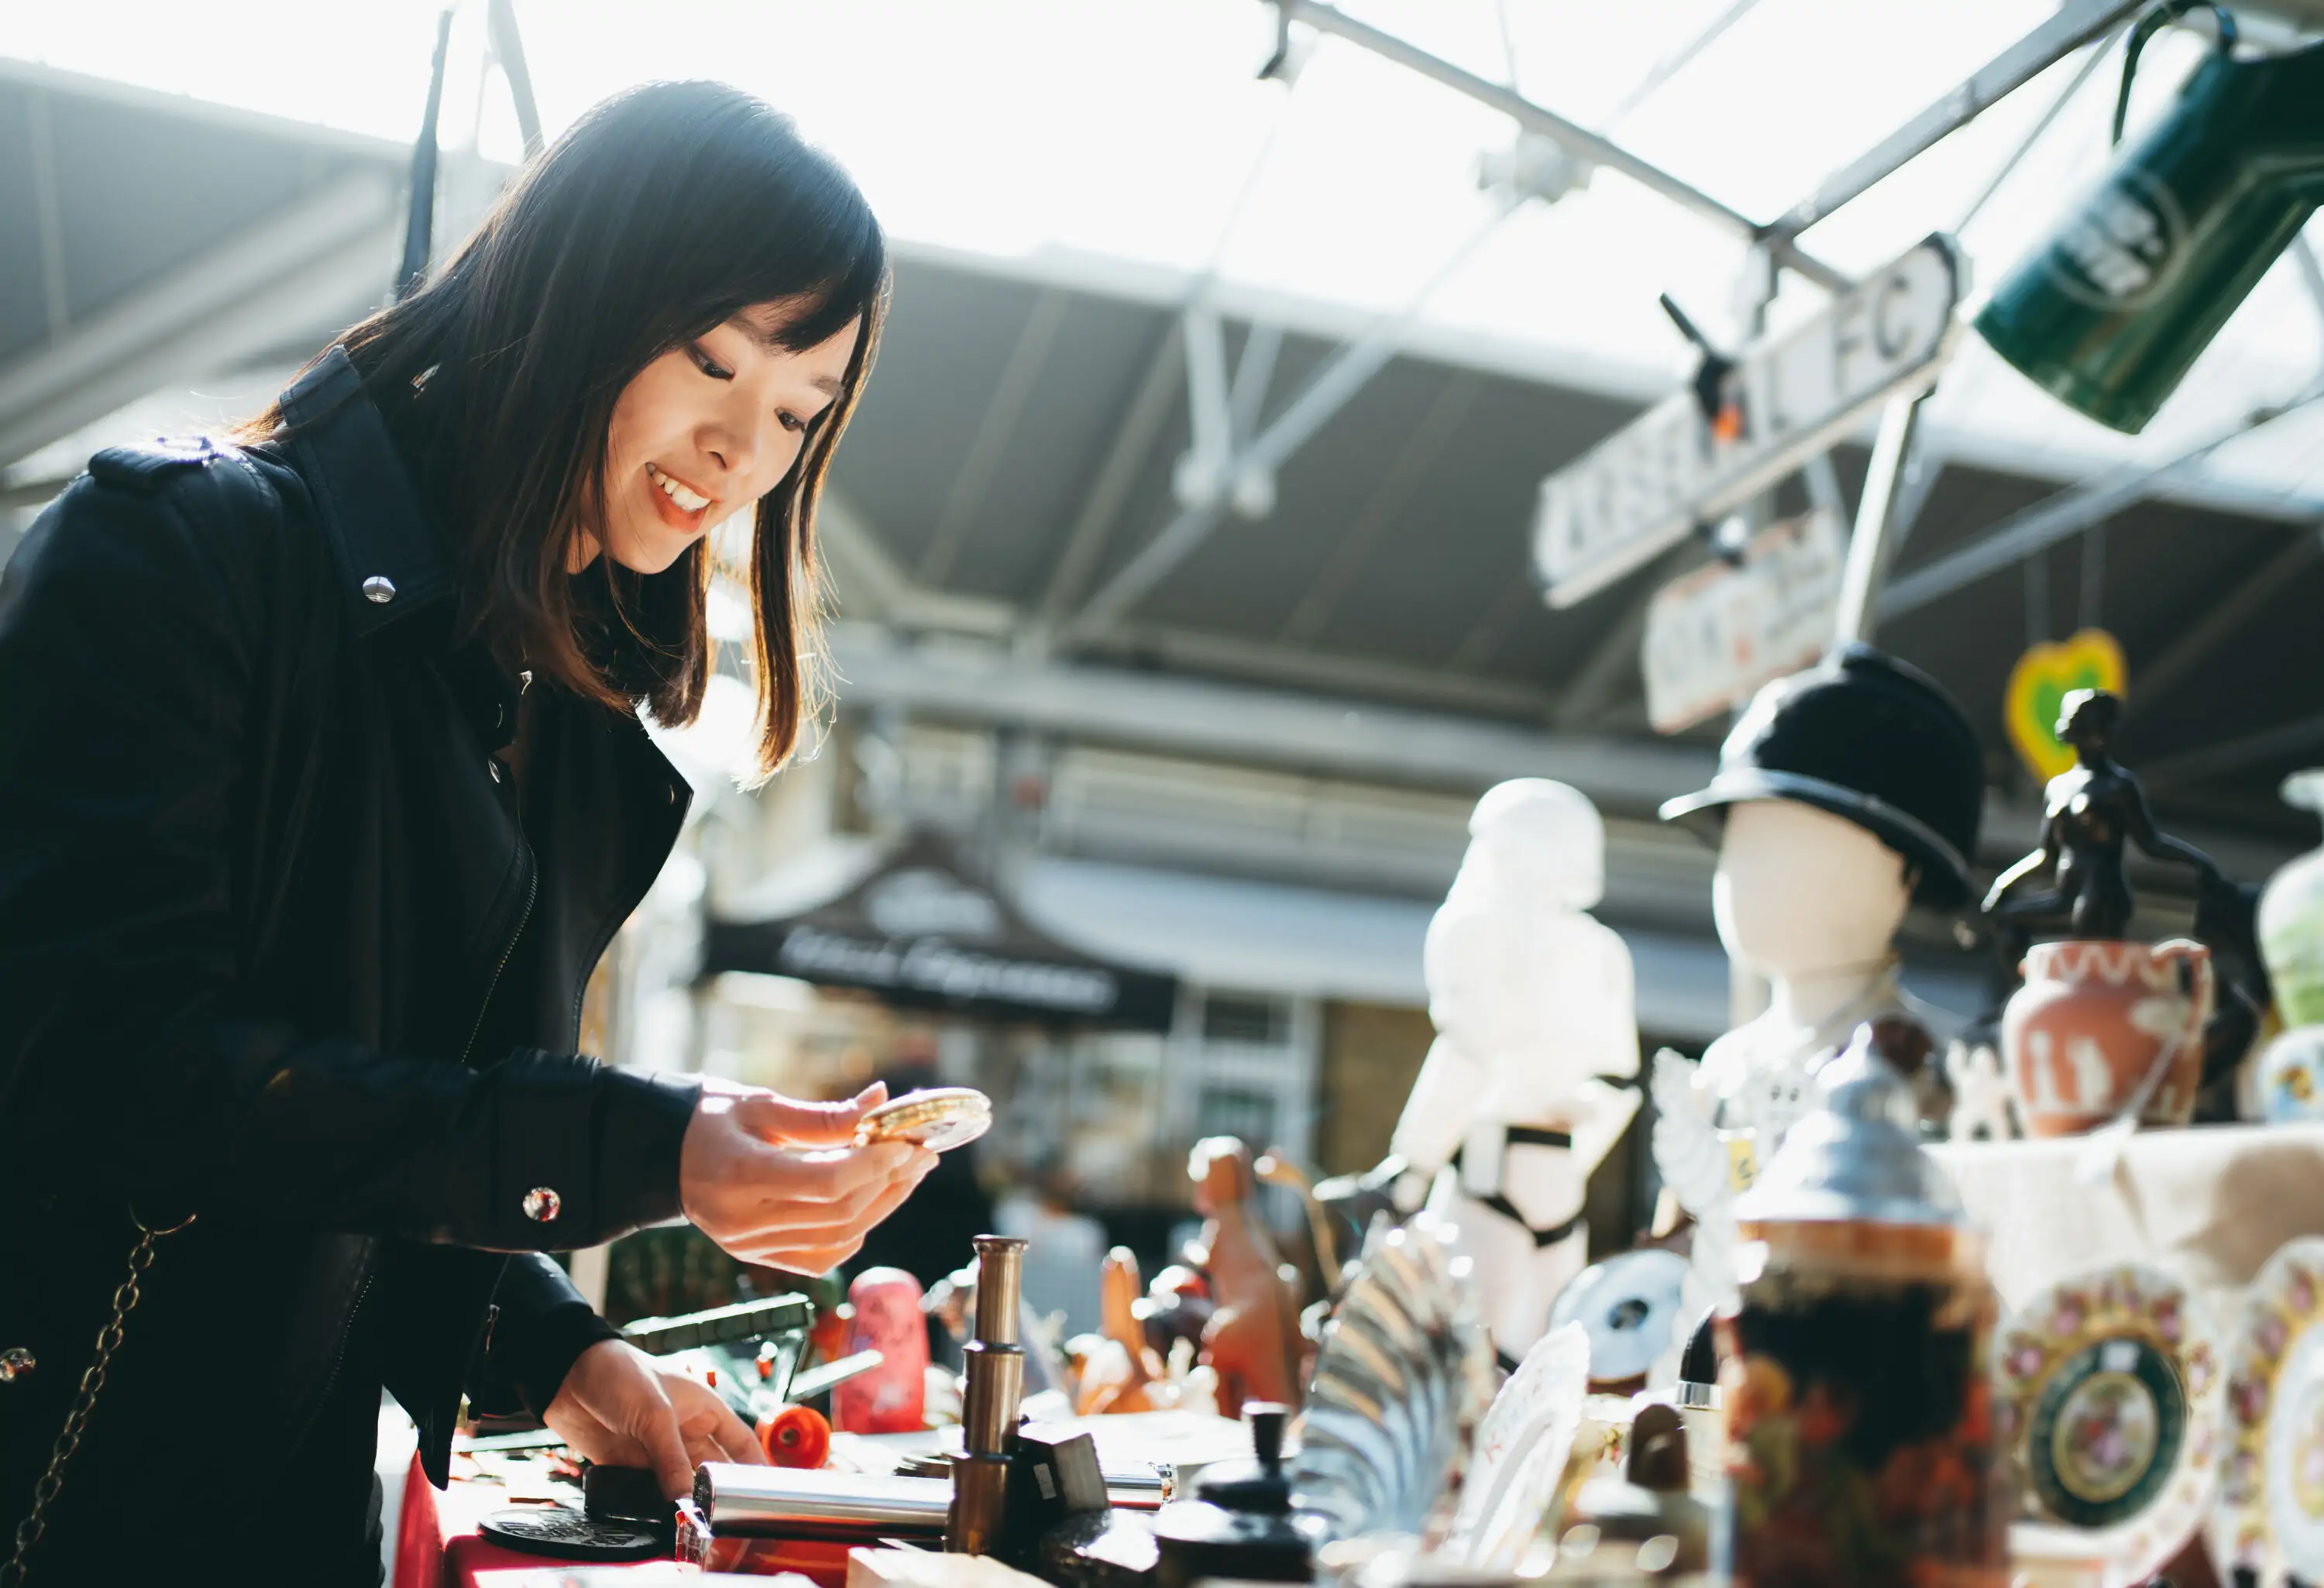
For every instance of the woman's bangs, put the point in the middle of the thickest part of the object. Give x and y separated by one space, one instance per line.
845 293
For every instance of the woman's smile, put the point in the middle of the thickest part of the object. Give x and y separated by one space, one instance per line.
680 505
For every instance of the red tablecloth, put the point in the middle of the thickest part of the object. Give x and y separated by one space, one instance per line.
437 1545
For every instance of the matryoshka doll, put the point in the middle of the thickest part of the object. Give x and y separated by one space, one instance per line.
1854 1363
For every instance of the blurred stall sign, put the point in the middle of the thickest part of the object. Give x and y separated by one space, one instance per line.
923 931
1715 635
1785 400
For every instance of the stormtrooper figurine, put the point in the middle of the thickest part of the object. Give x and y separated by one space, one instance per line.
1519 1098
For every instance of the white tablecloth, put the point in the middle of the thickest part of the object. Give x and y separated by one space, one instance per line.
2209 1205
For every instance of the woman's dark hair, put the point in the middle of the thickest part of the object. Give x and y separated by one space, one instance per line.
662 212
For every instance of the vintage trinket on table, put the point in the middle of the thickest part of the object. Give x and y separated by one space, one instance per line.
1521 1452
1855 1361
2109 1396
1403 1376
939 1118
2102 1026
2270 1518
1628 1307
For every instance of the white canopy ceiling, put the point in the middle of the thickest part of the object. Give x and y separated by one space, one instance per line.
1069 137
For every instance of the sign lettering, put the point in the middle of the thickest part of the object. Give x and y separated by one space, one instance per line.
1644 486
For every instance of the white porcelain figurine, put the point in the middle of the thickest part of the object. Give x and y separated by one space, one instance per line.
1536 1025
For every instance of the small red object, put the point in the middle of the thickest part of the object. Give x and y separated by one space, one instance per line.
892 1398
796 1436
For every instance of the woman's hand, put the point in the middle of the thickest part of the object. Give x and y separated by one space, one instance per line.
773 1181
620 1407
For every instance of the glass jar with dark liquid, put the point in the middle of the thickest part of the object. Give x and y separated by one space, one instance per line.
1855 1361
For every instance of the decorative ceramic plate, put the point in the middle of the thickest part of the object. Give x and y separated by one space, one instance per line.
1629 1306
2271 1512
2109 1396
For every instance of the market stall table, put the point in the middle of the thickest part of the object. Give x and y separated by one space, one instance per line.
439 1543
2211 1204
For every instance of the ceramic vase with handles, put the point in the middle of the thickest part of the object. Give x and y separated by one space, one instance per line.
2099 1019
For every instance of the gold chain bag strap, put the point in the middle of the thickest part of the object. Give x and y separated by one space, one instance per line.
92 1384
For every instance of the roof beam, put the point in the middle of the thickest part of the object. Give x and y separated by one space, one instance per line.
317 261
866 576
1330 389
2075 24
2223 619
2065 514
1478 646
48 209
1263 661
1133 443
1350 554
1003 409
1257 726
1575 138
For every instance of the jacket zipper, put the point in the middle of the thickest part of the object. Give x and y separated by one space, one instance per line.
532 889
347 1336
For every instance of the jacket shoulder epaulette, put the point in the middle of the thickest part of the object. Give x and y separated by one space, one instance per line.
147 468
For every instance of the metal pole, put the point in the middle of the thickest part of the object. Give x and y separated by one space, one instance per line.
420 227
1873 546
2068 512
2033 134
507 46
1325 393
2075 25
1578 139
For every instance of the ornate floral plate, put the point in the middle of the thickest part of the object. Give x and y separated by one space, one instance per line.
2269 1517
2109 1397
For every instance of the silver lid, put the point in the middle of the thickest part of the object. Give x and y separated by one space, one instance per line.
1855 1155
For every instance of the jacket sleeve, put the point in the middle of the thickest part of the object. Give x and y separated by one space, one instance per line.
133 632
541 1326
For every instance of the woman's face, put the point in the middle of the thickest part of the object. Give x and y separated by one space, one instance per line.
706 430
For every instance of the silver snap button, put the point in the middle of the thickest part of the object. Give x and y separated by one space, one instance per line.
542 1204
495 767
379 589
14 1363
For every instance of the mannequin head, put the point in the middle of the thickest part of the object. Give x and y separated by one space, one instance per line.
1543 839
1800 890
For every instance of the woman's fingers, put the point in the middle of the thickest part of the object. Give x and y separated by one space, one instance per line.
711 1429
666 1451
774 1117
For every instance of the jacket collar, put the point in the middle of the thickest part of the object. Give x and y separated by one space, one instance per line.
391 553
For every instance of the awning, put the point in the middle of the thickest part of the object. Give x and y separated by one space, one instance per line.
922 930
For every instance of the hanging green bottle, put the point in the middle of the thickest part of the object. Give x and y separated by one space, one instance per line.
2109 313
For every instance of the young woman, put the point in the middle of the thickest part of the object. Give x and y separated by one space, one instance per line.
323 787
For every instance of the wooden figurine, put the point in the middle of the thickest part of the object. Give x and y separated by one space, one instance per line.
1252 1339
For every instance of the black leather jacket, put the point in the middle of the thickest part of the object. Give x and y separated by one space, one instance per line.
281 950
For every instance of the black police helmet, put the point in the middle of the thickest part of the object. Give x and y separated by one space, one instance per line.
1867 738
